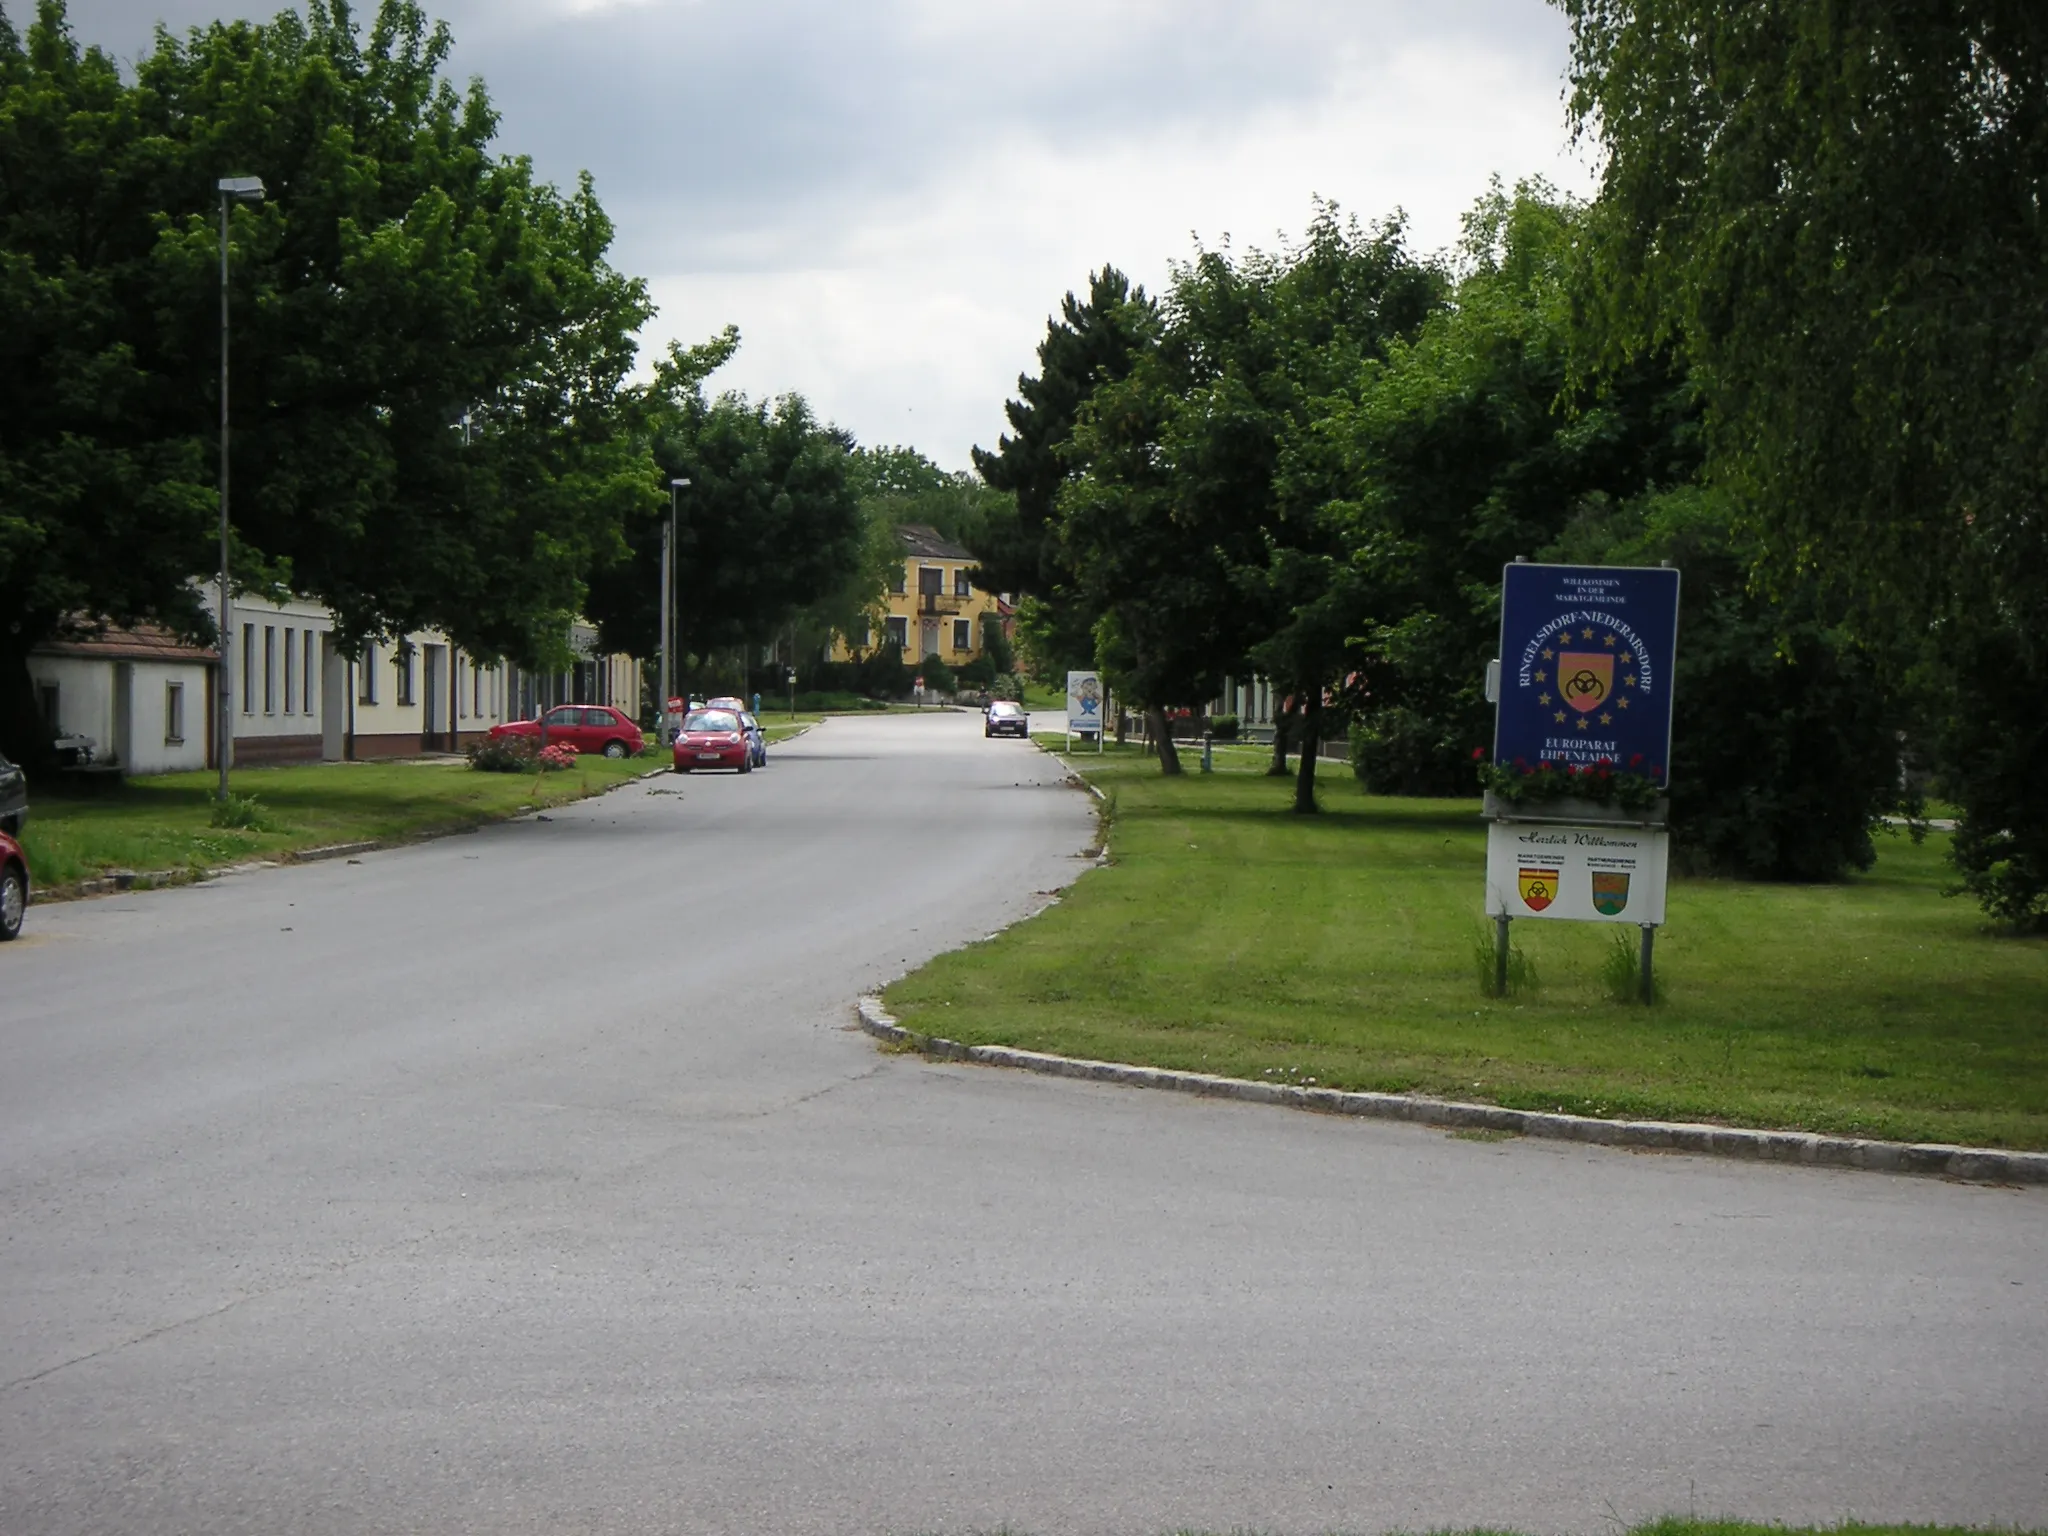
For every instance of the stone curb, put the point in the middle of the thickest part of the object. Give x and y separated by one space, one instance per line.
1984 1165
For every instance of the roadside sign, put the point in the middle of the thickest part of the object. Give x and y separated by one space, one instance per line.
678 705
1592 874
1084 703
1586 654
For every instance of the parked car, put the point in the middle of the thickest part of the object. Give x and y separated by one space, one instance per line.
757 739
13 886
586 727
13 798
713 738
1006 717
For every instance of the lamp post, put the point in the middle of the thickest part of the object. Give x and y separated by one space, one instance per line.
668 551
233 189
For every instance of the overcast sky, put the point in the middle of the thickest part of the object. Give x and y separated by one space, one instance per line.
889 197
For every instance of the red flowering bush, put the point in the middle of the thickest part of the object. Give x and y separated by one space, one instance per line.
1602 783
560 755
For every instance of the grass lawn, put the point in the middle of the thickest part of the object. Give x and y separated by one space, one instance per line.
165 822
1230 936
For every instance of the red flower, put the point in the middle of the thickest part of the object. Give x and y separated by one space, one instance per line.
1656 771
1478 754
1636 761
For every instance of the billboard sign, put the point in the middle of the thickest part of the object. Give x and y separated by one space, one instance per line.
1084 703
1585 667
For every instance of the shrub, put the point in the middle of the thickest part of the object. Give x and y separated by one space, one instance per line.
557 757
1223 727
821 702
979 673
238 813
1401 751
504 755
938 677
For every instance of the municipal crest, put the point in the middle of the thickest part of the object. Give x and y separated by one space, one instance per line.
1610 891
1585 679
1538 888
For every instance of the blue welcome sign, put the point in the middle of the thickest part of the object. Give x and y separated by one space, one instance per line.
1585 667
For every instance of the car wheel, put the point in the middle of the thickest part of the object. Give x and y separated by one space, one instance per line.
13 900
678 768
746 765
615 749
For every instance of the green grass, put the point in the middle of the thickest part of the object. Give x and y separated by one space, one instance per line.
1231 936
169 822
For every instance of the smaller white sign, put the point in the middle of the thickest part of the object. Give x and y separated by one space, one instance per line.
1586 874
1084 703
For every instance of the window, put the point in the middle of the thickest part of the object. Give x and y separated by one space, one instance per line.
931 580
401 663
601 718
963 635
961 586
248 669
270 669
563 718
290 655
867 636
899 633
476 691
306 693
174 714
896 581
48 698
367 689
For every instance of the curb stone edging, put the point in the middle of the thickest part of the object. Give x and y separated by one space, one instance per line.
1985 1165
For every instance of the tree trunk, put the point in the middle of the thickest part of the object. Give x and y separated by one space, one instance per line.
1162 732
25 736
1311 748
1277 769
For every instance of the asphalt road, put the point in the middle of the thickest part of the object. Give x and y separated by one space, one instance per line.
532 1181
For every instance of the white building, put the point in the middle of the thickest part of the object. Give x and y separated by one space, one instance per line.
142 696
147 700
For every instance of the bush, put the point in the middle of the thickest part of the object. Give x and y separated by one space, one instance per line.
238 813
882 674
979 673
505 755
938 677
822 703
1404 752
1223 727
557 757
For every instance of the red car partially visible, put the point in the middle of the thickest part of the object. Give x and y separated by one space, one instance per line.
586 727
13 886
712 738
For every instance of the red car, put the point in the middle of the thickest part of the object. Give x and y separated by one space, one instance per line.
586 727
13 886
713 738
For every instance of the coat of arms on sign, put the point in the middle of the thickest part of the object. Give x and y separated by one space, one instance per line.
1538 887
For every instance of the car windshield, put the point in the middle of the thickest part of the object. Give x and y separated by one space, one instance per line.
1003 707
712 720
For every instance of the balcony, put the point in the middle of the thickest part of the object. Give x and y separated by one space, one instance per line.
936 603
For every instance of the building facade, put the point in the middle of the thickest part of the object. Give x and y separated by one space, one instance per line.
147 701
931 608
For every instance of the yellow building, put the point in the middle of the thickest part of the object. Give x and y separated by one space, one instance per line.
932 608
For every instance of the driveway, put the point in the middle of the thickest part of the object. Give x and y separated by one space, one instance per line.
533 1181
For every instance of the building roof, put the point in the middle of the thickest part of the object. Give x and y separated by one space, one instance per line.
924 540
145 642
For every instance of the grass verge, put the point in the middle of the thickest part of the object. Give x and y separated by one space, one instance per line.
168 823
1228 935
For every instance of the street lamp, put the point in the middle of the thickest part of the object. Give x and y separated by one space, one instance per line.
668 544
233 189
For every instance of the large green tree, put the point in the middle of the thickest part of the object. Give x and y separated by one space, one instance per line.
768 525
1093 341
1832 209
433 424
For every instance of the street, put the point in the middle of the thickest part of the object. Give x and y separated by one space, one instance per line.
534 1181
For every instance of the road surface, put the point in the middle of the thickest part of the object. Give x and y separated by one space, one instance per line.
532 1181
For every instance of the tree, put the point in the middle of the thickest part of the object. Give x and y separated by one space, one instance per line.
1833 213
768 525
1094 341
431 352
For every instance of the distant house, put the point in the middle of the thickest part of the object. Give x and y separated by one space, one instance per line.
932 608
147 700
